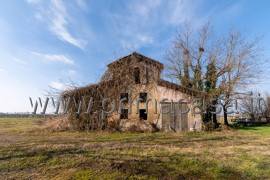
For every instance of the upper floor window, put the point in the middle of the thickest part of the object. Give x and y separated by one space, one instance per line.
137 78
146 75
143 97
124 97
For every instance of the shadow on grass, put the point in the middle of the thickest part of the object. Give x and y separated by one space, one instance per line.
49 154
183 167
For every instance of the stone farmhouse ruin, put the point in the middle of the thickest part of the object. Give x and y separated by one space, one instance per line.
132 93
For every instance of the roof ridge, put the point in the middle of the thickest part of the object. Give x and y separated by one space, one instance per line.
137 54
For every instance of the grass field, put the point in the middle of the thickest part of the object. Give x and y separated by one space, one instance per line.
28 152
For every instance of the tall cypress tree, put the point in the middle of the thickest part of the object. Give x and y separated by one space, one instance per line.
210 88
211 77
185 79
198 82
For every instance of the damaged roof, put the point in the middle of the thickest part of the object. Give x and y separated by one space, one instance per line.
140 57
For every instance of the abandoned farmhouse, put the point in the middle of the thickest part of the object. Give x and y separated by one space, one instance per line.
134 84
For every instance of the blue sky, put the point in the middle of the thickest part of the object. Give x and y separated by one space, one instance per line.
51 42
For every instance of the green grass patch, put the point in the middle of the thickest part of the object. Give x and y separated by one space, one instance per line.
262 130
30 153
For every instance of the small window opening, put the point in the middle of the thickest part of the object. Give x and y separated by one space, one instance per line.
124 96
124 114
137 76
146 75
143 97
143 114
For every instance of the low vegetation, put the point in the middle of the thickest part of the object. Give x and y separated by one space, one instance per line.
29 152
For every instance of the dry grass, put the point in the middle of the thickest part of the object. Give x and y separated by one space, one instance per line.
28 152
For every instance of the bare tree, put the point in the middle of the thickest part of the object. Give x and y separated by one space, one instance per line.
267 113
218 66
255 107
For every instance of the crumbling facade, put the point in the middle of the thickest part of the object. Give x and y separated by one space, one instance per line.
135 92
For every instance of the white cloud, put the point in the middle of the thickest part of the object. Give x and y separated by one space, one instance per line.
55 58
58 85
59 23
135 29
19 61
63 85
82 4
180 11
145 38
137 41
55 14
33 1
2 69
145 8
71 72
147 18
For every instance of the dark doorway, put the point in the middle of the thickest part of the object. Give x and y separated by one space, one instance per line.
143 115
124 114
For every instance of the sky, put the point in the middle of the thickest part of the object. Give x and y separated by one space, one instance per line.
50 43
